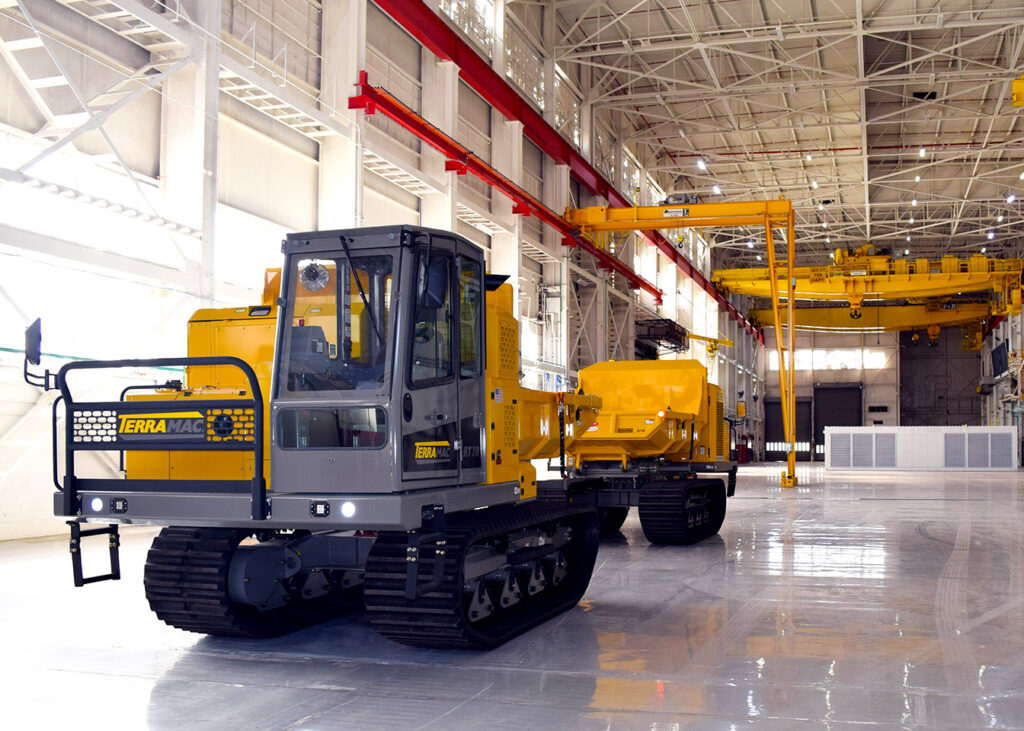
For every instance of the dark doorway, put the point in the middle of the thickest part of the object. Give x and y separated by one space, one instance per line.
835 405
775 433
938 386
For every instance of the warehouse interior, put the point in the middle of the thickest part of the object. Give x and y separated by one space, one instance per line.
671 181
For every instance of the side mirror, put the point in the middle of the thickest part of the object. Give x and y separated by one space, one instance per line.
432 282
34 342
33 354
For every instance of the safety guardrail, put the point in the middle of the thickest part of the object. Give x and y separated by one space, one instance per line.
193 424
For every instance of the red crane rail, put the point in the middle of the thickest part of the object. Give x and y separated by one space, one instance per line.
461 159
431 30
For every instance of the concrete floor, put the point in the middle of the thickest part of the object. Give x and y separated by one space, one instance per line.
888 600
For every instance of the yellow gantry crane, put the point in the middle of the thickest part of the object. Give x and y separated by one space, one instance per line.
775 216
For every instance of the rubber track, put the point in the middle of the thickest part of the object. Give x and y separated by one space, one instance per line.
186 585
437 618
664 508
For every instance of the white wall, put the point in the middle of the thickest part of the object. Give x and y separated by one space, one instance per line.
881 385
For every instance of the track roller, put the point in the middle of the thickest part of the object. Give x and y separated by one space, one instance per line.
502 571
186 581
680 512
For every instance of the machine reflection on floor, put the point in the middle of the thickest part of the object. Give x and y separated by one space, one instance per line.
882 599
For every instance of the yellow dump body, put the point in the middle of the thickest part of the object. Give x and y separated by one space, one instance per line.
652 409
522 424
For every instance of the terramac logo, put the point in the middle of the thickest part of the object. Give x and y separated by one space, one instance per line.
431 451
184 425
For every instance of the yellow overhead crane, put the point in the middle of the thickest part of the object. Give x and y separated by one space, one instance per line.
713 344
929 316
597 220
863 275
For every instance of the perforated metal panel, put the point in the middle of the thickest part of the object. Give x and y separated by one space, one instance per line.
510 438
863 450
720 421
977 451
885 450
955 450
508 350
1001 451
839 450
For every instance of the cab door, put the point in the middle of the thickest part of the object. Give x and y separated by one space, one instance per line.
429 405
472 431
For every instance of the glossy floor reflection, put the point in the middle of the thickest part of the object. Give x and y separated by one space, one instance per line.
893 600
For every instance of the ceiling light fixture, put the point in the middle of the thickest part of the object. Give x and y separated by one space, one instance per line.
759 257
921 152
809 157
824 224
908 238
814 184
701 164
913 202
828 239
716 190
906 252
917 178
982 249
821 207
1011 198
911 219
991 235
750 244
999 218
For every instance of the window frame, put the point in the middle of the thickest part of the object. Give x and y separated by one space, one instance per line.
481 315
453 352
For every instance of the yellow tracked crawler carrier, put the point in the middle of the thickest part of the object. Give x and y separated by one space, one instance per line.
365 425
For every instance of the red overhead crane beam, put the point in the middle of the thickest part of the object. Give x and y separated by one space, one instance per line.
435 34
461 160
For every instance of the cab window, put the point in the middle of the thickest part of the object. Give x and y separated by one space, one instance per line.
470 318
431 351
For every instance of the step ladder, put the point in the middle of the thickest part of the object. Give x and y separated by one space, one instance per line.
75 545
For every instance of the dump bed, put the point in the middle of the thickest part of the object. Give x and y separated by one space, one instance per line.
652 410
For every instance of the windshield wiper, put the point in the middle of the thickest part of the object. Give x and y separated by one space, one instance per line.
362 294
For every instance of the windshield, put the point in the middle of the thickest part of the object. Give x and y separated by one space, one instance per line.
339 324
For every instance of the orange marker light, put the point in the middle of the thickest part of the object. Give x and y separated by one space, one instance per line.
661 414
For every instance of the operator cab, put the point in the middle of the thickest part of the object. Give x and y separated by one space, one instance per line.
379 372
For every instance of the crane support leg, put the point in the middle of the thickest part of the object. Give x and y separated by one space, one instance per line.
786 368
